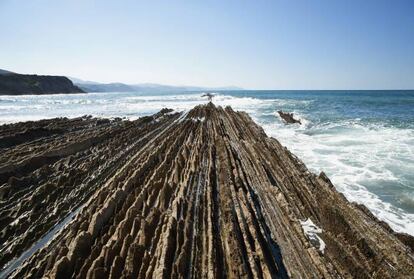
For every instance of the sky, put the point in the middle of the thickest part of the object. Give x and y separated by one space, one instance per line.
274 44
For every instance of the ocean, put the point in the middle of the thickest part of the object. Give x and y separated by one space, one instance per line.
363 140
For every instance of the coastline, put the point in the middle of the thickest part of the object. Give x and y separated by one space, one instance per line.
184 182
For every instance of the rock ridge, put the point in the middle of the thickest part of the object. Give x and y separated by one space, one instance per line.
198 194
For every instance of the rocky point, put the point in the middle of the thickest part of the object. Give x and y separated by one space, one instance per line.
198 194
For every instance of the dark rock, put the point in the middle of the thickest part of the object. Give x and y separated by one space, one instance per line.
288 117
406 239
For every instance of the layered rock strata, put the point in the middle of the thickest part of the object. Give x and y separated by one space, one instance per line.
202 194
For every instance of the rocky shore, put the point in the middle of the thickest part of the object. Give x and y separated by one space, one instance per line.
201 194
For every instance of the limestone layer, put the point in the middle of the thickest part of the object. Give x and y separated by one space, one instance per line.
202 194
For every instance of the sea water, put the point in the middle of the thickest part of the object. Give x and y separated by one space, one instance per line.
363 140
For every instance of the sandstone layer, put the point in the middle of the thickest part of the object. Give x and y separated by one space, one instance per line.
201 194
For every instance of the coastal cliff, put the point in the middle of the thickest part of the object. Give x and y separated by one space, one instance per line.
200 194
18 84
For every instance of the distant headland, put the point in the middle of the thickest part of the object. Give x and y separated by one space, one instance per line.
21 84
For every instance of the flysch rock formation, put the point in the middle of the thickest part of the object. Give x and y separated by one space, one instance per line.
199 194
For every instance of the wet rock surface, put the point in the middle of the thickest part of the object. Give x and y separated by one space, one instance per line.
202 194
288 117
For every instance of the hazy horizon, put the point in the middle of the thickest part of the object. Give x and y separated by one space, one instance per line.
278 45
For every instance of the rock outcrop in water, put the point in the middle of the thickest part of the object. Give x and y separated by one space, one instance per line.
203 194
288 117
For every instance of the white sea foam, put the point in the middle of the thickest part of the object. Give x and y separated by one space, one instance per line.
357 158
312 233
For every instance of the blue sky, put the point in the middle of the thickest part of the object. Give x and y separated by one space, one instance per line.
252 44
